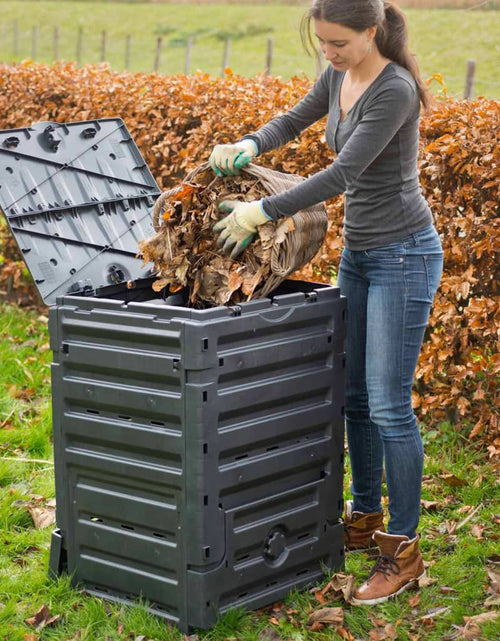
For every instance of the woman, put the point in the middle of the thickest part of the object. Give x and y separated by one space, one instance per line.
390 266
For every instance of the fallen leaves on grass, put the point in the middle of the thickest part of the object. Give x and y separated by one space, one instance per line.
42 510
340 586
42 618
452 480
333 617
471 631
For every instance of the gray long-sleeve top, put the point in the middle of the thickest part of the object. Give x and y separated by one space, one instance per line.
376 164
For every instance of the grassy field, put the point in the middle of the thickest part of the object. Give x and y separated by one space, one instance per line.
443 40
459 538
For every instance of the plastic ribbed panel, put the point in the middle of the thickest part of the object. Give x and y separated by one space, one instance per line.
77 197
199 453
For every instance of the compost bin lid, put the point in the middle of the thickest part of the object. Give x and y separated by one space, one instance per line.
77 197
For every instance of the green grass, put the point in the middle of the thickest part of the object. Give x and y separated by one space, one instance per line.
442 39
455 557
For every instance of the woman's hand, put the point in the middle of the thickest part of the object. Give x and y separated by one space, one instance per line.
238 229
227 160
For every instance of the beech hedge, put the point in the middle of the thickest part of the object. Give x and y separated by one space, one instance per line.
176 120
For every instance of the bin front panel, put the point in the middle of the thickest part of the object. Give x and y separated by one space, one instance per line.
201 454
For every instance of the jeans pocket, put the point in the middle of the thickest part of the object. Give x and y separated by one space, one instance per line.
433 265
392 254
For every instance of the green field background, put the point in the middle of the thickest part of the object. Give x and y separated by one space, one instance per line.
442 39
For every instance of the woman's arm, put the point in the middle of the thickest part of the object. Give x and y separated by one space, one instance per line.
388 109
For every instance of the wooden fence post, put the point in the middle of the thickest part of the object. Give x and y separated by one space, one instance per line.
15 38
469 79
189 48
103 46
34 43
269 56
128 48
158 53
79 46
225 57
56 42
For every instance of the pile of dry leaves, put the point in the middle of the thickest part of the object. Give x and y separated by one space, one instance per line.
184 248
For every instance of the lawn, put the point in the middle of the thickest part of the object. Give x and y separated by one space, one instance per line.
443 40
459 526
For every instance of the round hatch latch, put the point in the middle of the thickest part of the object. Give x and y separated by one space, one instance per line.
275 549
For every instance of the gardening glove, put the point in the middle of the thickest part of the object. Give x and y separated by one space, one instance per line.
238 229
227 160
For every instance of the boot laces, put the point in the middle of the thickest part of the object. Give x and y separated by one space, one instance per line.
385 564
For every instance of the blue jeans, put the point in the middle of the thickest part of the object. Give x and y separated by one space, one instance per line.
389 294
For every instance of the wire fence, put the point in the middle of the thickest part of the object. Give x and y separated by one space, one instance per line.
158 53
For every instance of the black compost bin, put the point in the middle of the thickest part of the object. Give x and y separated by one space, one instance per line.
198 453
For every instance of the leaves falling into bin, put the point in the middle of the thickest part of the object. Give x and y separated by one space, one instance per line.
184 248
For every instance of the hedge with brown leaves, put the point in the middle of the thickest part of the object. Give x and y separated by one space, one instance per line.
176 121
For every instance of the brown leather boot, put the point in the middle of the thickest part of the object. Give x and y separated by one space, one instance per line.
359 528
397 568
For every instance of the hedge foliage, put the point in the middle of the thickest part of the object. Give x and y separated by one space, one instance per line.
176 120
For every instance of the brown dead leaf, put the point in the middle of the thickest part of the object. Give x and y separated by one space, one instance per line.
42 515
471 630
340 586
269 634
30 637
452 480
330 616
494 577
42 618
316 626
477 531
430 505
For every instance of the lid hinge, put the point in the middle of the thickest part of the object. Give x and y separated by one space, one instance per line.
82 288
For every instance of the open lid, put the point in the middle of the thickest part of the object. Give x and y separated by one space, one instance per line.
77 197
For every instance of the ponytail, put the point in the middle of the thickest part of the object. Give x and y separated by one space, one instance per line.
392 42
391 37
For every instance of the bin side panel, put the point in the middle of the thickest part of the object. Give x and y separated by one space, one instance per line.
120 455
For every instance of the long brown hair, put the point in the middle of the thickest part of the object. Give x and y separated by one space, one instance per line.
391 37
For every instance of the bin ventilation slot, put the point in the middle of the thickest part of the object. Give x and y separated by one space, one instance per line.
205 397
329 339
221 362
205 499
157 534
127 527
242 558
273 447
303 536
242 595
207 552
271 583
304 571
93 411
204 344
241 456
159 423
205 448
125 418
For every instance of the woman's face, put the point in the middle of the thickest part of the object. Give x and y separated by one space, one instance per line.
343 47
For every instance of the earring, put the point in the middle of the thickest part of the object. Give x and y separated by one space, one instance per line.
370 46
